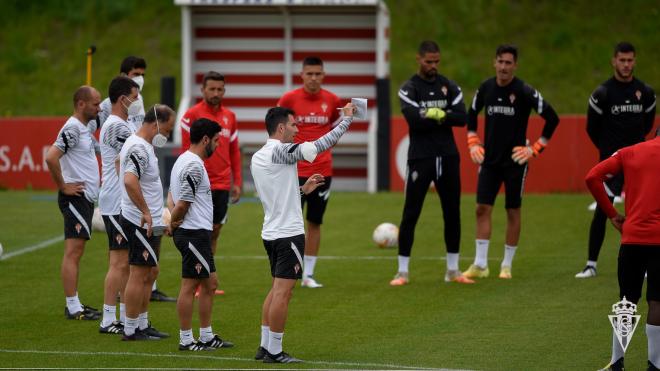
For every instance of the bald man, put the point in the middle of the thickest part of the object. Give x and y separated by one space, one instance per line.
72 164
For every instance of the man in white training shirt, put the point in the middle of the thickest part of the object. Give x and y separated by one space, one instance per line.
141 211
72 164
123 94
191 206
276 180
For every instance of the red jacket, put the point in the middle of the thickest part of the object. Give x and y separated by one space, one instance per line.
640 165
225 163
315 113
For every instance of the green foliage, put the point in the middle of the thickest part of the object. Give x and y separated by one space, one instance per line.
565 45
542 319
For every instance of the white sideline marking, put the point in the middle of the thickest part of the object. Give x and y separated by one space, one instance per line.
331 257
349 364
35 247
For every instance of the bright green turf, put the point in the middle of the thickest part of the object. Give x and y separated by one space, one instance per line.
542 319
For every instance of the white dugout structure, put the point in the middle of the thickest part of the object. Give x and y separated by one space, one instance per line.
259 47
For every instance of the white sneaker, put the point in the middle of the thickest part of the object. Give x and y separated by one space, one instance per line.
587 272
311 283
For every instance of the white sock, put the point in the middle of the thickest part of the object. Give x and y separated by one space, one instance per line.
264 336
122 312
591 263
481 258
143 320
130 325
275 342
452 261
154 287
205 334
509 252
109 315
186 336
403 263
73 304
617 350
653 335
310 262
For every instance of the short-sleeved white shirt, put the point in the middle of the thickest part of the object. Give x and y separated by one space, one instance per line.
137 156
189 182
79 161
114 133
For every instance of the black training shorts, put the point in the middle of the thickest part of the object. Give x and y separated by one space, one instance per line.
491 178
220 206
286 256
142 250
117 239
634 261
316 201
196 255
77 212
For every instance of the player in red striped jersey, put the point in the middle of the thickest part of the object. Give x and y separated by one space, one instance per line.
640 233
316 113
224 166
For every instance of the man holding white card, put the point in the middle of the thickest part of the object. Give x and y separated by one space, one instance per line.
316 114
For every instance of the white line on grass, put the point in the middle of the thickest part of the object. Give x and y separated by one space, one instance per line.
347 364
330 257
35 247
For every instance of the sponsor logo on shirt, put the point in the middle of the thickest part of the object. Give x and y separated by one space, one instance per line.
225 133
626 108
500 110
313 119
440 103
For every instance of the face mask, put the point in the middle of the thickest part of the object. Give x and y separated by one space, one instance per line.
139 80
159 139
134 108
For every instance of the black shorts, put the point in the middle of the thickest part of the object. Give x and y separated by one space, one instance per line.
285 256
116 237
316 201
220 206
142 250
634 261
77 212
196 255
491 178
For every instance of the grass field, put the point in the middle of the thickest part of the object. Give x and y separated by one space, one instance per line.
543 319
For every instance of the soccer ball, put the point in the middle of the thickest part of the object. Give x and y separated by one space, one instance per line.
386 235
97 221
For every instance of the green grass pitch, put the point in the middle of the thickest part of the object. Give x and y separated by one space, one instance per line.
543 319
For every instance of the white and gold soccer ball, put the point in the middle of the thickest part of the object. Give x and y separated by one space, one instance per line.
97 221
386 235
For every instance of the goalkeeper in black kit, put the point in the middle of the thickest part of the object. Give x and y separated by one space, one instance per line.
432 105
621 113
504 155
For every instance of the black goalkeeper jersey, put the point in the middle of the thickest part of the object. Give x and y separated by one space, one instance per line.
620 114
428 138
507 110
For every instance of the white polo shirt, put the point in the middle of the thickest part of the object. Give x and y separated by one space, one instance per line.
137 156
79 160
114 133
189 182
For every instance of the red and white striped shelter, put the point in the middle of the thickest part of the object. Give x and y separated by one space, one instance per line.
259 47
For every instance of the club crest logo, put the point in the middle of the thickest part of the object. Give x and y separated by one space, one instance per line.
198 268
145 255
296 268
324 107
78 227
444 90
638 94
118 238
624 321
512 98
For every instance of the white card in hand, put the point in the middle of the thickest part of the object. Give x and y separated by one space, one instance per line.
360 108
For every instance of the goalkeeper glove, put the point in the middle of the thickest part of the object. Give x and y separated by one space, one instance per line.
435 113
522 154
476 148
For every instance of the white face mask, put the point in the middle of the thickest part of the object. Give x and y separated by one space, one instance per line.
159 139
139 80
134 108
